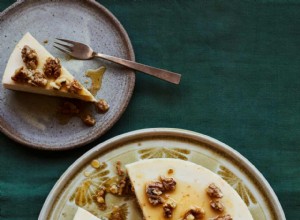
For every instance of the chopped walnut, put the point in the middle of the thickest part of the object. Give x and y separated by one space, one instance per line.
21 75
195 213
120 172
74 87
88 120
102 106
122 187
31 77
38 79
154 190
29 57
217 205
223 217
53 85
69 108
214 191
99 198
168 208
52 68
61 81
168 183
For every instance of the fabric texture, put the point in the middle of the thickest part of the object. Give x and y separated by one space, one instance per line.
240 65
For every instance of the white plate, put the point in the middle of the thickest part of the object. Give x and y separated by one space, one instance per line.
75 188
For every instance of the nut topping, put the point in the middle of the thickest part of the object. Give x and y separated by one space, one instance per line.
31 77
21 75
168 183
88 120
120 172
214 192
38 79
54 85
74 87
52 68
99 198
195 213
102 106
168 208
217 205
29 57
154 190
222 217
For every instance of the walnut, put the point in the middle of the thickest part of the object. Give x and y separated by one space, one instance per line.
99 198
61 81
154 190
31 77
69 108
223 217
38 79
168 183
54 86
122 187
89 120
21 75
168 208
74 87
52 68
217 205
114 189
214 191
195 213
102 106
120 172
29 57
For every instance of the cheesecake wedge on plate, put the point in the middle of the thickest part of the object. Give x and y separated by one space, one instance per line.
31 68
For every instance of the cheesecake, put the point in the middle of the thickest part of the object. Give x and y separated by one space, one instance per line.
31 68
82 214
180 190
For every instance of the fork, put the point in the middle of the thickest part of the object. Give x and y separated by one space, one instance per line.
84 52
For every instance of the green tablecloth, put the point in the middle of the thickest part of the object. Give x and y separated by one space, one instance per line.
240 63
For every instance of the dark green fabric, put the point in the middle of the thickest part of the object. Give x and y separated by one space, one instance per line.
240 62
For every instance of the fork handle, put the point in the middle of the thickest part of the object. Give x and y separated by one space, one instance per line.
159 73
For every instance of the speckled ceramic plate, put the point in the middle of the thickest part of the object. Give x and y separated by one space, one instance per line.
29 118
78 184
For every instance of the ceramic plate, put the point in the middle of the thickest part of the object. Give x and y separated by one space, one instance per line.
29 118
79 183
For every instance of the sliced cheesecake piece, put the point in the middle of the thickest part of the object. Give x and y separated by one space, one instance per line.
180 190
31 68
82 214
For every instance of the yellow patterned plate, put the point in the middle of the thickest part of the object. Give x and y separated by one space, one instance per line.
78 185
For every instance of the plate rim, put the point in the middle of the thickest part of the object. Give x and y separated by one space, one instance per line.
131 84
148 132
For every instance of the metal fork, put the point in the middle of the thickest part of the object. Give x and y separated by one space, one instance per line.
84 52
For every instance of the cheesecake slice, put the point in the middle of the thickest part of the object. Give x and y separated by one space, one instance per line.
31 68
180 190
82 214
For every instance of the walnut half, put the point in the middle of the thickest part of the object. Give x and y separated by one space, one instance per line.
214 192
168 208
168 183
154 190
52 68
217 205
29 57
